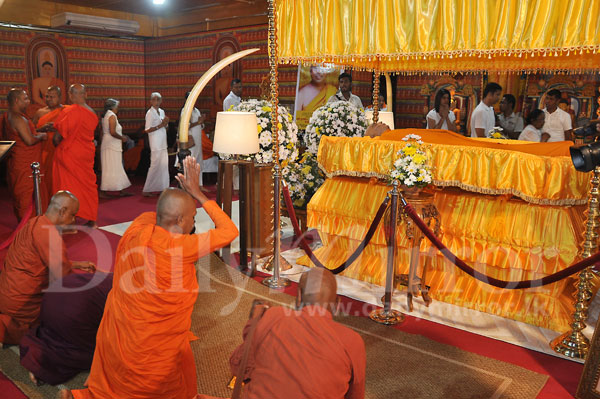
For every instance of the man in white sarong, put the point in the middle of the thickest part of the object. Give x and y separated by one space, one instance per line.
156 123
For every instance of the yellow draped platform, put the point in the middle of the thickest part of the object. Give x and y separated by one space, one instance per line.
503 236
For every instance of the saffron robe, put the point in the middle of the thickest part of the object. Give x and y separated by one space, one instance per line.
36 256
302 354
207 146
20 182
48 148
143 343
73 166
63 344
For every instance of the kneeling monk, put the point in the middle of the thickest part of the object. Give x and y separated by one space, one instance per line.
303 353
143 343
36 257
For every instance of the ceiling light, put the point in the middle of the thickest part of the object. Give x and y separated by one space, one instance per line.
158 1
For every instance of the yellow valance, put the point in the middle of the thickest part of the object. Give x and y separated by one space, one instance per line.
481 168
441 35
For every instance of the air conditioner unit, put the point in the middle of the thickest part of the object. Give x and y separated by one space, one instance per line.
69 20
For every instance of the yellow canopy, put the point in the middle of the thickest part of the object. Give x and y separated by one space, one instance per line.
441 35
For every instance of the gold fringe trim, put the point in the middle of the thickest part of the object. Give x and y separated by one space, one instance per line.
466 187
357 61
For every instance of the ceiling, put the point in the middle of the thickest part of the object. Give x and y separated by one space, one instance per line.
146 7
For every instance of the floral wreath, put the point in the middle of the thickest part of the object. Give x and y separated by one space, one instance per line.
339 118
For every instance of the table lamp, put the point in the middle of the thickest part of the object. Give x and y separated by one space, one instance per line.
386 117
236 133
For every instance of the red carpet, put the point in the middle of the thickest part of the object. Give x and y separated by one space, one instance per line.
100 246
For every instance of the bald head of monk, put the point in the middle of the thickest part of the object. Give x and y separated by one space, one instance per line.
317 287
77 94
18 100
62 208
175 211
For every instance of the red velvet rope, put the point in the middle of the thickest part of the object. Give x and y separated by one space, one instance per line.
26 217
511 285
304 245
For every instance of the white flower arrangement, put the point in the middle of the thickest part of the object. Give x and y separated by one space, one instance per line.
288 132
303 179
496 133
411 168
340 119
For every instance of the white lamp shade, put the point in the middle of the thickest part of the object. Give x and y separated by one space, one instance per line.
386 117
236 133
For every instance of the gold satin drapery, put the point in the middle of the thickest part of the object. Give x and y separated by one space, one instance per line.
482 166
485 231
441 35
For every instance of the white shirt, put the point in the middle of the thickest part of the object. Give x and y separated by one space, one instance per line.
196 131
230 100
513 123
530 133
108 141
157 138
482 118
354 100
436 117
556 123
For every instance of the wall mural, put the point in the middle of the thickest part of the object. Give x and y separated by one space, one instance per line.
224 47
46 64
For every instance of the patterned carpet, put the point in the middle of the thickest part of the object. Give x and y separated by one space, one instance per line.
398 364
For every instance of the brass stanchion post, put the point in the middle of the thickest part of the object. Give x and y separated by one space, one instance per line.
275 281
35 169
387 315
573 343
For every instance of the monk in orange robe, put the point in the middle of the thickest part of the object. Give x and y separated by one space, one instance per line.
207 147
143 343
73 167
36 257
44 121
27 149
304 353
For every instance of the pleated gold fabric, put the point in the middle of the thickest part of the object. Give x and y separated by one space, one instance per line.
484 166
441 35
505 239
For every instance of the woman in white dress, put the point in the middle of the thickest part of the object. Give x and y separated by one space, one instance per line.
533 130
114 177
441 117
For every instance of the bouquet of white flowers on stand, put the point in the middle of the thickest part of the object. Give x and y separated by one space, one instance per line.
288 132
410 168
340 119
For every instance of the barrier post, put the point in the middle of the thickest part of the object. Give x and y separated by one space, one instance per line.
387 315
35 169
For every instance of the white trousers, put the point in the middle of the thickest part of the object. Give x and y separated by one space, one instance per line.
158 174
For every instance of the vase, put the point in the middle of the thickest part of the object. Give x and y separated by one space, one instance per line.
411 191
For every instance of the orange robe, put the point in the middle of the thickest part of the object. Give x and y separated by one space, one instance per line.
48 148
143 343
207 147
36 256
304 354
73 167
20 182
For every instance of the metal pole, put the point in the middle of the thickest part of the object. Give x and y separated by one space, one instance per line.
35 169
387 315
275 281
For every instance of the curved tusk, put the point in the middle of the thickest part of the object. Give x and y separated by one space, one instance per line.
184 121
390 96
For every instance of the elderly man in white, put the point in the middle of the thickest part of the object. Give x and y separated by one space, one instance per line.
156 122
